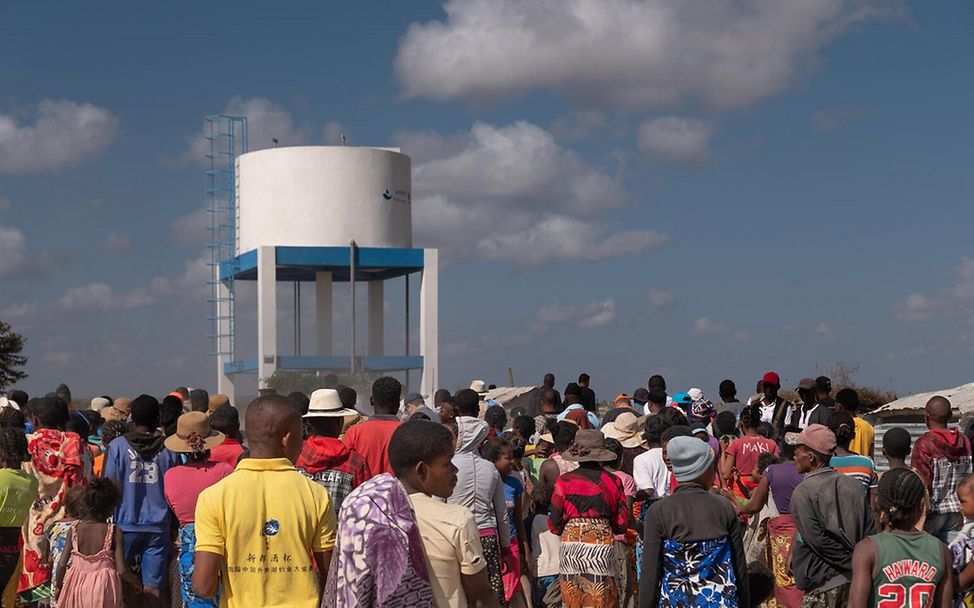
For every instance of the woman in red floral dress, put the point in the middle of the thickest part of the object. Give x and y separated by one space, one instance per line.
56 463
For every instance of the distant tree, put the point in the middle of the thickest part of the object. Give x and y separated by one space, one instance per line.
11 361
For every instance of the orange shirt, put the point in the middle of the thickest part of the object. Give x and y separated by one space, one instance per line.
99 465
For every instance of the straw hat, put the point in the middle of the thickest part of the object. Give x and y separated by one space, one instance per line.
119 410
216 402
479 387
589 446
625 429
325 403
193 434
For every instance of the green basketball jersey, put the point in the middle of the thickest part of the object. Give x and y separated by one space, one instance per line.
908 568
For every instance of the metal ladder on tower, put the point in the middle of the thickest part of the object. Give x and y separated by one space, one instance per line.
226 138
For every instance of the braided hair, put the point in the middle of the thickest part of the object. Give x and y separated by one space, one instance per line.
13 446
751 416
900 496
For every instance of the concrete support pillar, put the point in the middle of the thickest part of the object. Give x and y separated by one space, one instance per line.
429 321
323 313
376 318
266 315
224 381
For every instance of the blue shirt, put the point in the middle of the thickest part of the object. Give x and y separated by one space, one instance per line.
143 507
513 489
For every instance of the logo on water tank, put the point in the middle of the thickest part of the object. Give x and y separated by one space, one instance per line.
399 196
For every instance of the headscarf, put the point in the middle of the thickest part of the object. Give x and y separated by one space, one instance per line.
580 417
379 556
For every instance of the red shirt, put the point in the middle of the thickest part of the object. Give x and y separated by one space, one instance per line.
371 440
228 451
184 483
746 451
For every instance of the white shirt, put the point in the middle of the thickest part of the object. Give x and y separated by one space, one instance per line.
650 473
767 411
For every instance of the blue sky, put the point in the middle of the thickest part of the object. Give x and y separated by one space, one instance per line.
706 190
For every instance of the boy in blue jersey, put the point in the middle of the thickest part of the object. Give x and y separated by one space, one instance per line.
137 461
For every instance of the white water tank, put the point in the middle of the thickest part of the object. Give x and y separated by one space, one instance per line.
323 196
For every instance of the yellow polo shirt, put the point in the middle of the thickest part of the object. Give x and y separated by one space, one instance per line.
266 519
862 443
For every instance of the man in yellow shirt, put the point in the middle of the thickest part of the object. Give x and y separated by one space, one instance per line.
847 400
258 528
421 455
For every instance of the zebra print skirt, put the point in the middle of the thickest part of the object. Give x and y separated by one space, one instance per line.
588 563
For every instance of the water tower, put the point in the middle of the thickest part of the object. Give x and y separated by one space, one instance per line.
319 215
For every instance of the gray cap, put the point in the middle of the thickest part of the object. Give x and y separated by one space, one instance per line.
414 398
425 411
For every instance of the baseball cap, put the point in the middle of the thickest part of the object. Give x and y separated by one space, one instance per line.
823 383
817 437
805 384
696 394
772 378
622 397
641 395
414 398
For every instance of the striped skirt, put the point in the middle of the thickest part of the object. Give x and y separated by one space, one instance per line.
588 563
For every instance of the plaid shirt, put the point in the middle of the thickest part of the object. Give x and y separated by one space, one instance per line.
942 458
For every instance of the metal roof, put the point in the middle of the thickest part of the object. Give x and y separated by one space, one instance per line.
961 398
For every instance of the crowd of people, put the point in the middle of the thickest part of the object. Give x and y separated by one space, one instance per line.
454 500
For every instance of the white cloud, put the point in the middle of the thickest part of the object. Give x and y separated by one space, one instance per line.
93 296
98 296
555 313
598 313
676 140
918 307
704 326
56 134
512 193
191 284
520 161
955 300
192 228
624 53
558 238
18 261
116 242
12 258
661 299
18 311
266 121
